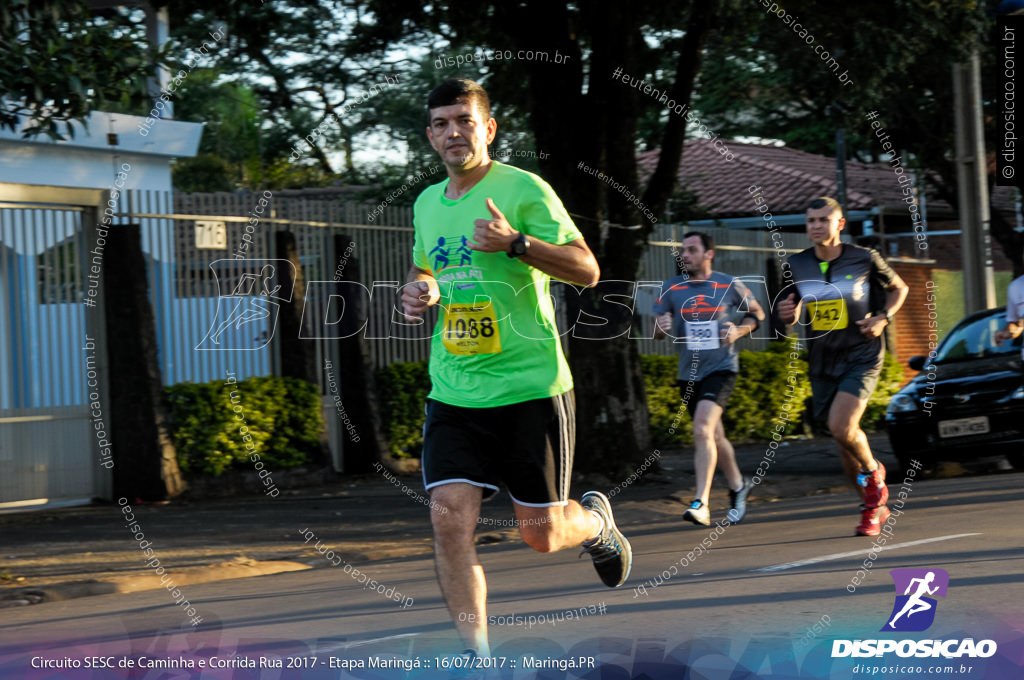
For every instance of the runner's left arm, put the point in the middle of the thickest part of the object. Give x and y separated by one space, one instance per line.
897 293
1014 317
751 319
572 262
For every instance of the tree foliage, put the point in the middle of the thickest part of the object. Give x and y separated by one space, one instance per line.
59 61
763 81
577 113
285 68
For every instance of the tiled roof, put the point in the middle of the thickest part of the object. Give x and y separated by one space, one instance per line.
788 178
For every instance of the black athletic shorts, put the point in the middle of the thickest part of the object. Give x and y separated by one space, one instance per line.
716 387
859 381
528 447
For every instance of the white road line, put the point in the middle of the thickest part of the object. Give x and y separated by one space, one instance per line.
855 553
360 643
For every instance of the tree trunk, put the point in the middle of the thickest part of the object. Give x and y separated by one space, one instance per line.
598 130
297 354
145 463
367 443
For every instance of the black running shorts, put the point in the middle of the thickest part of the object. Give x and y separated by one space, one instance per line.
716 387
528 447
859 381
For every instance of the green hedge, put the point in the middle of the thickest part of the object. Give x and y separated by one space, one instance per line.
402 389
282 416
755 404
889 383
756 401
663 402
762 389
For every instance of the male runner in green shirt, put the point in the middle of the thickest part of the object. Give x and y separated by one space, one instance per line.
501 407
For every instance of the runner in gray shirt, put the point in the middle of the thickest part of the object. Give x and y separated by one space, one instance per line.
695 308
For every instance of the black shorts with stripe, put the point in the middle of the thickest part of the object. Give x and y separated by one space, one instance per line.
716 387
528 447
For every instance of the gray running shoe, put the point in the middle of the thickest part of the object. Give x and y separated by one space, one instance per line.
612 555
738 502
698 513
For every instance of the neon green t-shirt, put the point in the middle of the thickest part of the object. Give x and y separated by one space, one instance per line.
496 342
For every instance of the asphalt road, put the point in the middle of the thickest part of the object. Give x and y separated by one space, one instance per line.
766 600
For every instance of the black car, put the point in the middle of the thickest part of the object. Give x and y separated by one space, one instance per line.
966 402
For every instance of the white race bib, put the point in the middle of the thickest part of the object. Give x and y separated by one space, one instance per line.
702 335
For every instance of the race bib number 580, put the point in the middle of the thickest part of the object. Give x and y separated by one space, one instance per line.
471 329
702 335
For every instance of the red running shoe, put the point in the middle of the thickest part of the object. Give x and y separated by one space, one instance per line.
876 493
871 520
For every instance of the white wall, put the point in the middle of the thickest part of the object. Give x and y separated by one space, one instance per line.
88 161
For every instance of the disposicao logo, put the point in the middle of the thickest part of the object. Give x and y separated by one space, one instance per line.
914 611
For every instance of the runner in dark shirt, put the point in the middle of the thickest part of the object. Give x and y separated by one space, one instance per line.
833 279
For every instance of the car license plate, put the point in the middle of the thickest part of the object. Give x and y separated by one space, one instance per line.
963 426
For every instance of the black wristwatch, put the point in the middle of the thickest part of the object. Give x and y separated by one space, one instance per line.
519 246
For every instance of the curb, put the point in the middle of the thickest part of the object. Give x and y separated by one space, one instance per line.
134 582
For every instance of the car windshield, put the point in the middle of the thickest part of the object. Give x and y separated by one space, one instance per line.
976 340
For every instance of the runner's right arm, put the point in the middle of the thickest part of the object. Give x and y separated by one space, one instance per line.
663 313
663 326
416 299
789 310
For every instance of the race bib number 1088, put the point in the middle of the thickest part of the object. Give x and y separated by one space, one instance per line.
471 329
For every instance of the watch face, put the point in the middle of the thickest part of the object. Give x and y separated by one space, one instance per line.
518 246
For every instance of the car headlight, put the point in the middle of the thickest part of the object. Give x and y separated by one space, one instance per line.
901 403
1016 394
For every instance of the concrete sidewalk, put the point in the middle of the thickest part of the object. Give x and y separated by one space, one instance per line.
73 552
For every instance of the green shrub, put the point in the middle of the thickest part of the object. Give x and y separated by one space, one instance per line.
669 421
755 404
282 417
402 390
889 382
760 393
762 389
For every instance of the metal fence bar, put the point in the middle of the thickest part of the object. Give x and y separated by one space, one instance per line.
384 253
43 396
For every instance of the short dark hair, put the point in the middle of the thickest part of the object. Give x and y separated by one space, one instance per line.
826 202
705 239
457 91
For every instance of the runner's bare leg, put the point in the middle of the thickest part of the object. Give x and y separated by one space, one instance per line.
852 468
553 528
727 459
706 420
454 513
844 423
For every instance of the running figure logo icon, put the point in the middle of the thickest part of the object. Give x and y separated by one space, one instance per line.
914 610
446 254
249 293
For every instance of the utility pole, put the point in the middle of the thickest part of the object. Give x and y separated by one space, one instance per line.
841 168
972 187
